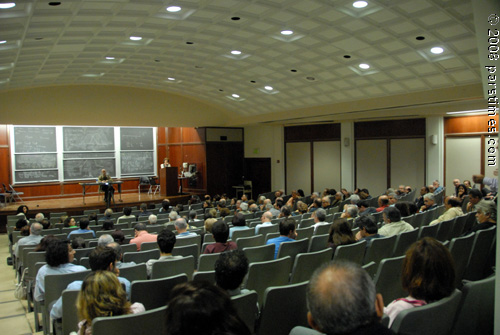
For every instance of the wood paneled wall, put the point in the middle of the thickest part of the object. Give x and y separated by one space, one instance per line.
4 155
468 124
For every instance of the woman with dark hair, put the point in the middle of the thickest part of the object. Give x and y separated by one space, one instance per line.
118 236
108 225
340 234
202 308
428 275
403 207
22 211
70 222
42 246
461 191
345 194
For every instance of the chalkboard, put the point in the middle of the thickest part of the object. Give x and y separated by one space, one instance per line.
137 162
88 168
39 175
88 138
136 138
89 155
36 161
35 139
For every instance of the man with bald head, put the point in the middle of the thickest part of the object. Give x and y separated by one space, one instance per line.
34 237
266 219
341 299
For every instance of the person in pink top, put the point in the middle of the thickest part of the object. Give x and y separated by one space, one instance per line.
142 235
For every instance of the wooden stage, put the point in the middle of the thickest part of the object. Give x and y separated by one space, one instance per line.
75 206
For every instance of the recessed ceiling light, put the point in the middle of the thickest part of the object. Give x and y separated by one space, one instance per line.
364 66
235 18
7 5
286 32
171 78
293 70
437 50
269 88
54 3
235 95
3 42
420 38
347 56
110 58
236 52
189 42
360 4
174 9
135 38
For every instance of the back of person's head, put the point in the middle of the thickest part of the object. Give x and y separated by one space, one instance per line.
354 199
392 213
140 226
279 203
404 208
384 201
84 223
220 230
45 223
318 202
180 224
78 243
202 308
238 220
101 295
341 298
363 203
244 206
209 223
93 217
286 210
104 240
173 215
368 223
428 270
57 253
127 211
166 241
117 248
352 210
101 257
152 219
36 229
320 213
487 207
224 212
143 207
108 225
108 212
475 193
340 232
192 214
230 269
165 204
453 202
44 242
429 196
39 217
287 226
21 223
118 236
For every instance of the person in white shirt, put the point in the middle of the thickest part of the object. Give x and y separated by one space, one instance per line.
266 219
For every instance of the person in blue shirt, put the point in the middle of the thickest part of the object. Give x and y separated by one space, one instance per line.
287 234
84 225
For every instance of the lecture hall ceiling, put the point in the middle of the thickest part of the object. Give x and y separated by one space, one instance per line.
189 52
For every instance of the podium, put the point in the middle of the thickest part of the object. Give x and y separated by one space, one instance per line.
168 181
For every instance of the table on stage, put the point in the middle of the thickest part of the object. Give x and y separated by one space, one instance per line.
118 183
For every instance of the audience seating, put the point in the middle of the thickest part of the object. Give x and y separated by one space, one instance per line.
141 256
379 249
141 323
268 229
428 231
306 222
208 276
351 252
173 267
458 226
318 242
188 241
246 307
242 233
444 230
252 241
388 279
260 254
154 293
306 263
403 242
134 272
70 317
145 246
206 262
305 232
291 249
460 249
322 229
471 220
272 235
188 250
478 260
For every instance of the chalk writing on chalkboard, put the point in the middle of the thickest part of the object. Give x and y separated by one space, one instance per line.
88 138
36 161
137 162
39 175
77 155
88 168
35 139
136 139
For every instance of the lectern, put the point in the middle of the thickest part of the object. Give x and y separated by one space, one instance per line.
168 181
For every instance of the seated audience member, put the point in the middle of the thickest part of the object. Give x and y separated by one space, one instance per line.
142 235
301 208
127 214
69 222
202 308
84 228
152 219
165 206
286 211
193 218
35 236
108 215
244 208
468 184
404 208
209 224
383 202
364 194
453 209
44 242
345 194
428 275
102 295
143 208
39 217
475 196
78 243
182 228
368 230
22 222
179 208
220 230
354 199
456 182
325 203
340 234
351 212
486 216
22 211
224 212
100 259
118 236
266 219
93 218
393 224
238 224
108 225
210 213
437 187
104 240
365 209
119 256
429 202
166 242
319 217
46 224
491 183
341 299
420 200
393 198
172 216
287 234
276 209
462 191
59 257
230 269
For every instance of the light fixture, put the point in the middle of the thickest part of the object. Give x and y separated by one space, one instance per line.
269 88
171 78
7 5
3 42
474 111
364 66
235 96
110 58
174 9
360 4
437 50
135 38
286 32
236 52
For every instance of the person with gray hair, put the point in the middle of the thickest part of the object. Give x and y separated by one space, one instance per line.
181 227
486 216
142 235
107 215
319 217
429 202
172 216
33 238
341 299
104 240
354 199
152 219
39 217
119 256
393 223
244 208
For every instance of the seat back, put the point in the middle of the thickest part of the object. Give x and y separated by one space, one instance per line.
292 249
85 236
379 249
260 254
129 247
403 242
306 263
134 272
246 307
444 230
188 250
306 222
208 276
154 293
305 232
70 317
318 242
263 230
206 262
477 265
84 252
31 260
252 241
418 220
423 320
173 267
428 231
147 322
188 241
352 252
262 275
141 256
460 249
145 246
471 219
242 233
322 229
290 298
458 226
388 279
